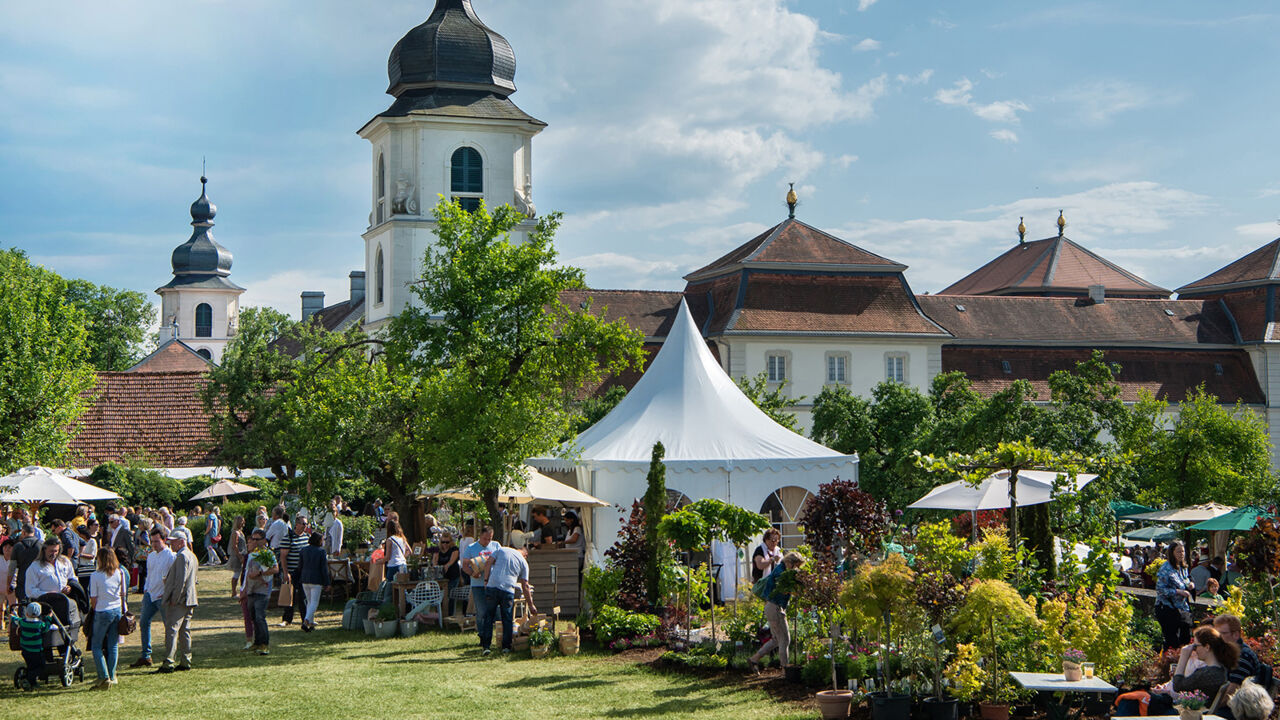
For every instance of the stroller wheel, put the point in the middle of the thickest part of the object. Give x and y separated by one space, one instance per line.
68 676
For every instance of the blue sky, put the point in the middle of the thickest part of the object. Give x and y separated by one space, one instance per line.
918 130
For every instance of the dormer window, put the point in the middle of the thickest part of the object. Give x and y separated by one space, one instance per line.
380 209
466 178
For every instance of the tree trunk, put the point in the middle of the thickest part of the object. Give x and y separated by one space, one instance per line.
490 498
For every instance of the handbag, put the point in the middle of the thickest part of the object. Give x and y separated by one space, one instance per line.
286 592
127 623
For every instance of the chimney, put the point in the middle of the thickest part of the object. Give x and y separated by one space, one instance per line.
1097 294
312 303
357 286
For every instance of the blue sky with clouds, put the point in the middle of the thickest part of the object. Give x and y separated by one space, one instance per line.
919 130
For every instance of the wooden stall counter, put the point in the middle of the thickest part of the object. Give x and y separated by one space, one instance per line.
566 590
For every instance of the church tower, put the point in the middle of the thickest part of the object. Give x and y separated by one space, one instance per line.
452 131
200 306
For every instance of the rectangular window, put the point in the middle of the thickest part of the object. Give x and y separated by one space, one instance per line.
895 368
777 368
836 369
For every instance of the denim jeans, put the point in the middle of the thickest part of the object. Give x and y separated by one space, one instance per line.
150 608
106 639
261 635
497 605
478 605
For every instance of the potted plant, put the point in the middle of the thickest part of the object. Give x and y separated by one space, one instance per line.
993 605
409 627
1190 704
872 596
964 674
387 623
939 594
1071 660
540 639
818 592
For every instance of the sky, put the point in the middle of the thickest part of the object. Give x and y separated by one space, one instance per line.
918 130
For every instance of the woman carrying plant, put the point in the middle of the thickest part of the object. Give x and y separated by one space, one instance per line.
395 549
108 591
775 612
1173 597
1218 657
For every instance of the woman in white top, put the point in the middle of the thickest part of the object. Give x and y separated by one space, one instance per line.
108 593
51 573
574 539
395 550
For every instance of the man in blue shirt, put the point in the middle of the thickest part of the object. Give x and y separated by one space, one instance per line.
506 568
473 559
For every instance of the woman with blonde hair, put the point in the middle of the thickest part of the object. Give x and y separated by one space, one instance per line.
109 594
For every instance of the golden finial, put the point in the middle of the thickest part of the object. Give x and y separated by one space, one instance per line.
792 199
1062 223
1022 231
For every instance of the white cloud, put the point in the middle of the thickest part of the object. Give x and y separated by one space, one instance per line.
1097 102
1005 135
1262 230
283 290
864 4
960 95
844 161
1271 191
919 78
866 45
941 22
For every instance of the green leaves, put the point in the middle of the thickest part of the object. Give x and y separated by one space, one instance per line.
44 372
773 401
118 323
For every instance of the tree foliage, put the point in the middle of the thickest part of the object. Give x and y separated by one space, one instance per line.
655 506
117 322
842 519
44 373
772 400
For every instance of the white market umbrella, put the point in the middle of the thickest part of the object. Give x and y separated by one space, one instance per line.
1191 514
36 484
223 488
1034 487
538 489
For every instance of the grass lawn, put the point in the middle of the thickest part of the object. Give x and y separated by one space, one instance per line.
332 674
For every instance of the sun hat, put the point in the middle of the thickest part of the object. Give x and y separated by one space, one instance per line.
178 535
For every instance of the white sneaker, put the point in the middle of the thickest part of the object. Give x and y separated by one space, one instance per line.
248 646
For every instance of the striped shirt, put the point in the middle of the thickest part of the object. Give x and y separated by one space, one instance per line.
296 544
31 633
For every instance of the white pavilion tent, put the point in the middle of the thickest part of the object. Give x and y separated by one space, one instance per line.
718 443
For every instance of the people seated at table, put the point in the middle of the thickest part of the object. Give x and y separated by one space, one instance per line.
1247 665
1218 656
1250 702
1211 591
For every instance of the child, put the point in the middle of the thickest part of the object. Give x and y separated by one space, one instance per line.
1211 590
31 630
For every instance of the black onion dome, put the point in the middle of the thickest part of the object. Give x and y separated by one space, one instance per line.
452 49
201 254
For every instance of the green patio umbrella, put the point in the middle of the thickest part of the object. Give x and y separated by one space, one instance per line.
1154 532
1124 508
1242 518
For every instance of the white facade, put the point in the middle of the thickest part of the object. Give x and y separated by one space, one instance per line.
411 170
813 362
178 316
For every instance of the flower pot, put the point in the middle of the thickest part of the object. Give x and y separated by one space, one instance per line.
945 709
368 626
993 711
408 628
1186 714
568 644
539 650
834 703
1072 671
792 673
383 629
890 706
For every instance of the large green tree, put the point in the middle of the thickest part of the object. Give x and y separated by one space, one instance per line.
497 358
118 323
44 375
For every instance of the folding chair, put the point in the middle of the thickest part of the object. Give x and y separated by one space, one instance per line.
426 595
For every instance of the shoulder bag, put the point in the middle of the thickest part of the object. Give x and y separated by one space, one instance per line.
127 622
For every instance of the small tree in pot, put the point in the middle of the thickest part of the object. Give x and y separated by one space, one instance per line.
939 595
818 590
990 608
873 594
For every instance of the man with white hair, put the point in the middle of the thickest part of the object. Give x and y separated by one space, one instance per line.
181 527
179 599
1251 702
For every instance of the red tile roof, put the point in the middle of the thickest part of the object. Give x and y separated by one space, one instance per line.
1258 267
792 242
171 356
778 302
649 311
1052 267
1077 321
156 415
1167 374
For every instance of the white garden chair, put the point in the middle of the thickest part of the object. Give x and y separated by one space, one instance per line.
426 595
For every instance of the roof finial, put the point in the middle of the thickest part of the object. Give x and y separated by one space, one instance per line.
1062 223
1022 231
792 199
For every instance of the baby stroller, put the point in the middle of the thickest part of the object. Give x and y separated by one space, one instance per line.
62 659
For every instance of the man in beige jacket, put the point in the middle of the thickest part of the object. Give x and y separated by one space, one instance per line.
179 603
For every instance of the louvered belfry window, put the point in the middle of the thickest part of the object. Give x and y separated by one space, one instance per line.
467 178
204 320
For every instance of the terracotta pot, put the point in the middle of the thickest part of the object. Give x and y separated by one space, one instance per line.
834 704
993 711
1072 671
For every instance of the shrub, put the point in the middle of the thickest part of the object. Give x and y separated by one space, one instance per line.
357 530
600 586
993 556
386 612
939 550
196 525
611 623
816 672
